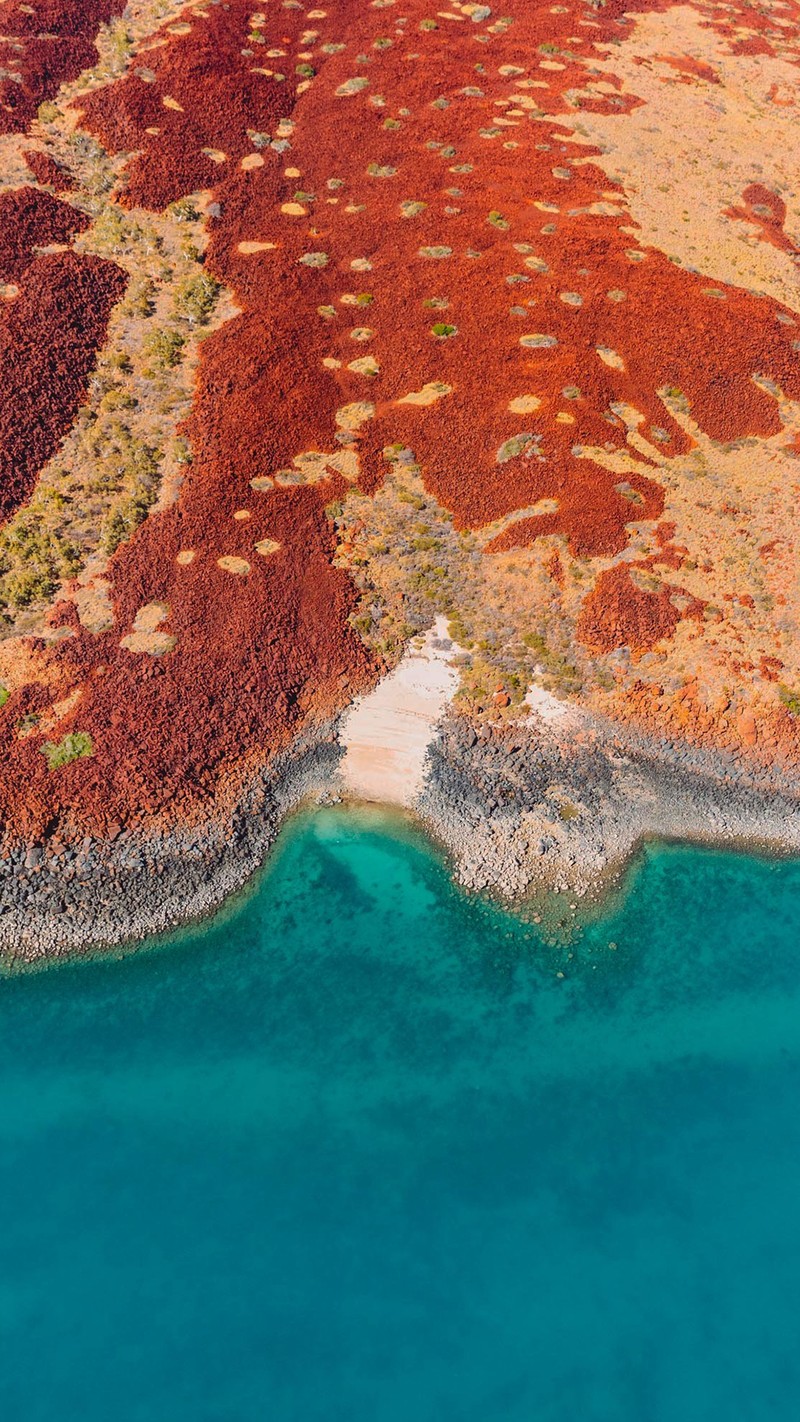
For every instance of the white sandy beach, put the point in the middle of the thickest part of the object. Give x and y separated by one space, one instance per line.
386 735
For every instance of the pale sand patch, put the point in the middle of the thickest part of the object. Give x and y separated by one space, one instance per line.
149 617
93 601
145 636
524 404
155 644
253 160
352 417
49 720
548 707
294 209
231 564
387 733
266 547
170 103
428 395
249 249
610 358
185 557
365 365
315 465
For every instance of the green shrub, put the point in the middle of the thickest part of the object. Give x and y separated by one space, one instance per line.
164 348
790 699
72 747
197 297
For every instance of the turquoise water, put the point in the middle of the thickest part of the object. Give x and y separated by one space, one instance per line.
356 1153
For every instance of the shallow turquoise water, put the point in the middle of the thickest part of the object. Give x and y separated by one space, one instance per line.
357 1153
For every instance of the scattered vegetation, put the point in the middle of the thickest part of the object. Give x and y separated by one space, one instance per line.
99 488
411 565
73 747
790 699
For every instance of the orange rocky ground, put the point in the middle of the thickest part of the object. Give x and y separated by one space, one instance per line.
513 335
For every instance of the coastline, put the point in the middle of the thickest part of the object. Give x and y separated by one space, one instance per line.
562 808
524 812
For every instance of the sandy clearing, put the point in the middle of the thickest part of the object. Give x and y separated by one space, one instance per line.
691 149
387 733
548 707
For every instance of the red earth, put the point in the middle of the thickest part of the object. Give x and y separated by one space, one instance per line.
45 45
49 337
46 171
529 244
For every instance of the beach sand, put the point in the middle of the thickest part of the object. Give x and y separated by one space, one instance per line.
388 732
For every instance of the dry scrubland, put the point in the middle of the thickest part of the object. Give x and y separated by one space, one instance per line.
318 324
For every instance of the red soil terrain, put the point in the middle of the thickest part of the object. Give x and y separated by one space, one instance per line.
50 333
518 246
619 613
47 172
30 219
766 211
43 45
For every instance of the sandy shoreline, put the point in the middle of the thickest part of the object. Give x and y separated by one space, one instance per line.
386 735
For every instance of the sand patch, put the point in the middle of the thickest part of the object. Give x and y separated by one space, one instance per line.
249 249
352 417
548 707
230 564
155 644
315 465
93 601
428 395
49 720
146 636
150 616
387 733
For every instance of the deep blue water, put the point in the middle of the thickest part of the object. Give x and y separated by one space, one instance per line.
355 1153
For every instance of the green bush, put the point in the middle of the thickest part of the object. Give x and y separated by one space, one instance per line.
73 747
164 349
196 298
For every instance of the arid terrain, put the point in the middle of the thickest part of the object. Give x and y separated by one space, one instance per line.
325 327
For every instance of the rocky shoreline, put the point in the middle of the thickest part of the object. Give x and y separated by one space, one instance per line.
99 894
520 809
563 807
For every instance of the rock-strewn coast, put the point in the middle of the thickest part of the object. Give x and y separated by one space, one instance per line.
67 898
521 809
562 805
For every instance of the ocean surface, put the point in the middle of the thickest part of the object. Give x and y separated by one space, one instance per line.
368 1150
